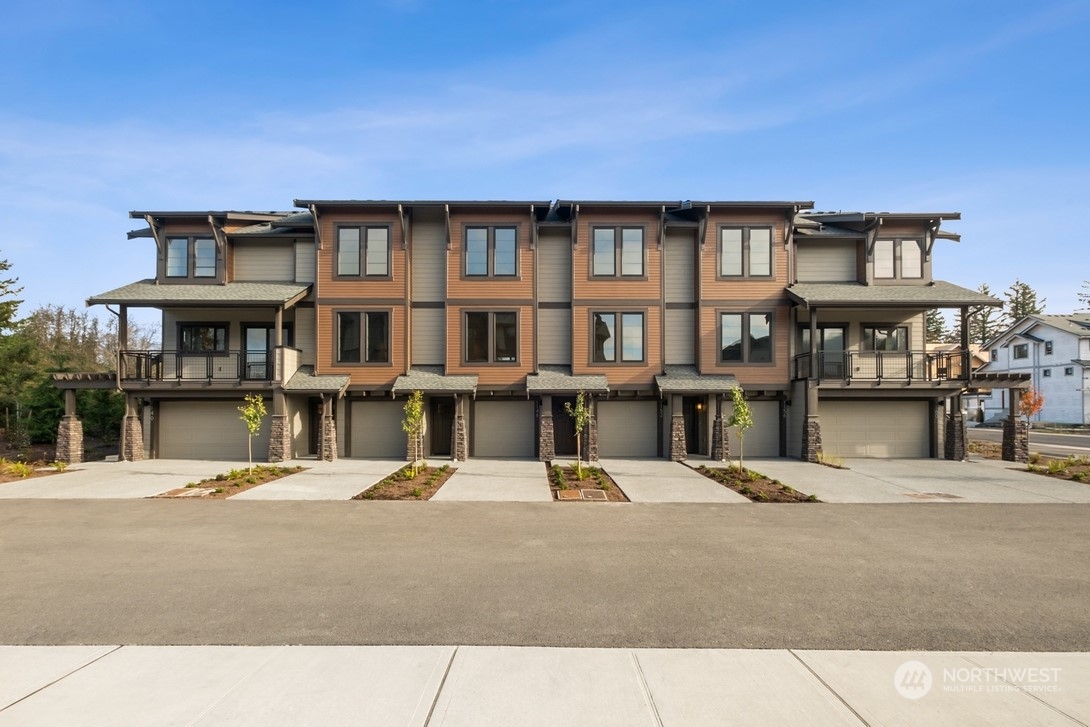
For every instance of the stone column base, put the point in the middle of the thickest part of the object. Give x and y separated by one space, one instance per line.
811 439
954 444
1015 440
459 447
132 448
279 438
677 439
329 439
546 445
70 440
720 441
590 441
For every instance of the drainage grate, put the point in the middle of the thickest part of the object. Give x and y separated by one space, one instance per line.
599 495
568 495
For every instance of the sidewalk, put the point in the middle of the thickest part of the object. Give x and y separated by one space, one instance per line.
482 686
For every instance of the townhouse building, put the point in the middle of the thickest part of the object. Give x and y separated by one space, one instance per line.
500 312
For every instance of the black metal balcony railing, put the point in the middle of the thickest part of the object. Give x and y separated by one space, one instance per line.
900 366
185 366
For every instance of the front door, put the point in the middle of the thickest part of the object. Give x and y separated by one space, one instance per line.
440 424
694 411
563 427
832 346
257 352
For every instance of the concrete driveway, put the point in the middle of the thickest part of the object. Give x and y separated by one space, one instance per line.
497 480
921 480
113 480
660 480
337 480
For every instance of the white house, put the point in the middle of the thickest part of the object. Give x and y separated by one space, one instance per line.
1055 351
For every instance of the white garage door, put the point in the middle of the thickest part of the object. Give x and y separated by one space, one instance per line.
503 429
875 428
376 429
763 438
628 428
208 430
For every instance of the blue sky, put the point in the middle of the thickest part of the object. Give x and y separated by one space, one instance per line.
977 107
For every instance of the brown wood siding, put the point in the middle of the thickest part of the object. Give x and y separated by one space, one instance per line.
586 287
460 288
621 374
363 374
742 288
362 288
747 374
491 374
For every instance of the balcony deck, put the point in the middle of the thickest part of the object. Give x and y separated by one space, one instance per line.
893 368
177 367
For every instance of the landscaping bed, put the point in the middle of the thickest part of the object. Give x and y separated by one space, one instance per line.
595 485
402 485
754 485
16 471
1076 469
230 483
987 450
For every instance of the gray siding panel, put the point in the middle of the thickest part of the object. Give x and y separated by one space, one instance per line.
554 266
304 262
826 262
796 419
429 257
680 336
554 336
429 336
680 267
304 335
260 261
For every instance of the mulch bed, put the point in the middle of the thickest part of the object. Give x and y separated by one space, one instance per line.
987 450
596 485
1075 469
754 485
19 471
402 486
230 483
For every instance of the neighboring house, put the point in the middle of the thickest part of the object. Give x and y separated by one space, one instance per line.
501 312
1054 350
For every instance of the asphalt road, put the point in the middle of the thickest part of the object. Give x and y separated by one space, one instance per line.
1044 442
810 576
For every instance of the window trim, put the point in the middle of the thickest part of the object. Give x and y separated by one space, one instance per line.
772 326
490 344
190 241
746 255
618 328
490 252
363 331
863 343
1015 348
181 325
1069 370
618 246
364 230
1048 348
898 259
1046 373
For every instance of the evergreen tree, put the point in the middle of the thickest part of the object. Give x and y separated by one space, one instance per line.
986 322
1022 301
935 327
8 304
1085 297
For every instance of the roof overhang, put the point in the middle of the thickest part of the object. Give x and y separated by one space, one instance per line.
938 294
559 380
687 380
433 381
149 294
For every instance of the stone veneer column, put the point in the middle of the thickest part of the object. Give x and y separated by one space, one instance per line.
546 445
590 440
954 444
70 440
1015 439
459 437
811 439
677 438
720 441
329 433
279 438
132 449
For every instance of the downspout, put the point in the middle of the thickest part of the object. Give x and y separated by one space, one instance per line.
117 374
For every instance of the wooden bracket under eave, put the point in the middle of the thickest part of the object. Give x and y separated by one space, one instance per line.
662 227
704 225
317 227
446 212
533 228
154 226
872 237
932 234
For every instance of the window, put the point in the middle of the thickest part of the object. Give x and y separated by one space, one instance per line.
202 338
745 252
184 253
1069 371
885 338
369 246
1021 350
607 256
745 337
491 251
491 337
1047 373
363 332
898 259
995 354
1048 348
618 334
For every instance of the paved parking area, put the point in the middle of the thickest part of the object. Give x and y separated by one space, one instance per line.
338 480
482 686
497 480
660 480
921 480
113 480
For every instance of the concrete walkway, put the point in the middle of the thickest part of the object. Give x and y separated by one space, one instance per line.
113 480
338 480
497 480
483 686
659 480
920 480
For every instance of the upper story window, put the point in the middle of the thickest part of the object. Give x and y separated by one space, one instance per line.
617 251
745 337
617 337
186 254
745 252
1020 350
1069 371
202 338
885 338
898 259
1047 373
1048 348
995 354
363 252
491 251
491 337
363 337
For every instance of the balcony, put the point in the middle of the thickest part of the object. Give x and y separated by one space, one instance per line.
902 367
179 366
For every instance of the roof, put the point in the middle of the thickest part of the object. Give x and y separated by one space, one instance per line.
151 294
1081 361
294 224
841 216
431 379
669 204
226 214
934 295
683 379
304 380
1077 324
560 379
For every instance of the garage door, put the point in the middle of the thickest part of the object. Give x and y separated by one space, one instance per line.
208 430
503 429
763 438
628 428
376 429
875 428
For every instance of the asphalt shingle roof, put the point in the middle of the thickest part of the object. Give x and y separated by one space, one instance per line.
305 380
431 379
560 379
150 293
937 294
683 379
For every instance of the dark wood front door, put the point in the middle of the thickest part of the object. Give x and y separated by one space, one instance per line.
314 424
693 410
563 427
440 425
